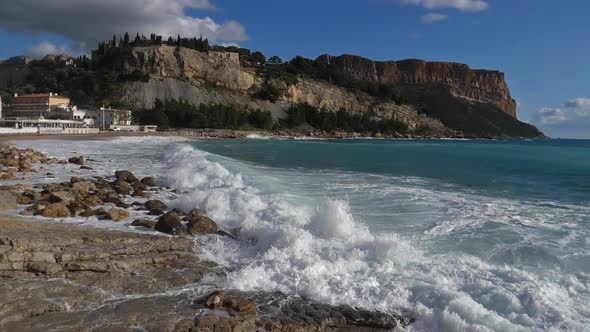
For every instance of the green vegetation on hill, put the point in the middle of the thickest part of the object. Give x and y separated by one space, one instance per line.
180 114
322 119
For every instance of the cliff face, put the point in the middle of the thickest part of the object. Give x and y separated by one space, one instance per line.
477 85
199 79
196 67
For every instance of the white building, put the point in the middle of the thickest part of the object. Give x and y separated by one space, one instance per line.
103 118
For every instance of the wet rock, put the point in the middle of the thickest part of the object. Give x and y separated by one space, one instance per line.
23 200
126 176
194 213
83 185
149 181
156 212
24 165
113 198
215 299
144 222
85 167
201 225
140 193
56 210
170 223
122 188
92 213
65 197
8 200
81 160
53 187
10 162
88 201
179 212
155 204
123 205
8 176
117 214
138 186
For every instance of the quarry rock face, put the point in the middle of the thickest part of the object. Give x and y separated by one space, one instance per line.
480 85
196 67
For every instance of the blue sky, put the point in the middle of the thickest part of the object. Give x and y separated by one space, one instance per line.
541 45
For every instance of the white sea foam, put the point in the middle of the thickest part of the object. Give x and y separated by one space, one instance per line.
299 235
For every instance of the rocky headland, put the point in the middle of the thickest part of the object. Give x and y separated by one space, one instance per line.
440 99
69 277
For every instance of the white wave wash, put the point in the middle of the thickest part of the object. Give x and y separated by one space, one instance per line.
318 250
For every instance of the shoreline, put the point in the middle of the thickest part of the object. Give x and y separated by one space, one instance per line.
236 134
119 279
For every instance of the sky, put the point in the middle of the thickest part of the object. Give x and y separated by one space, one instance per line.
541 45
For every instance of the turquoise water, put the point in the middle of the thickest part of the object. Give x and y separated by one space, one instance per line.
504 224
466 235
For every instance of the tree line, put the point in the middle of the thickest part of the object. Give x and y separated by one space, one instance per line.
181 114
323 119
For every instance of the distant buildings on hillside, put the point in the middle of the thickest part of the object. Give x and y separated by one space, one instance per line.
50 113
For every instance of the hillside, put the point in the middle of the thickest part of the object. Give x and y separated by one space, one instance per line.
442 99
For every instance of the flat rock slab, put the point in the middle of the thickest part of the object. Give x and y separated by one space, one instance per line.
63 277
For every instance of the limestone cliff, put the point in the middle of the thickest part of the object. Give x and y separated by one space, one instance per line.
180 73
477 85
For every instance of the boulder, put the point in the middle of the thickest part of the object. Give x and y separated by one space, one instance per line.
122 188
24 165
149 181
194 213
8 176
83 186
24 200
215 299
91 213
87 201
81 160
113 198
126 176
156 212
8 200
155 204
53 187
140 193
201 225
56 210
65 197
117 214
138 186
170 223
144 222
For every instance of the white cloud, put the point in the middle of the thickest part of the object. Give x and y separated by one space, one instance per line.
432 18
581 106
552 116
574 110
42 49
90 21
462 5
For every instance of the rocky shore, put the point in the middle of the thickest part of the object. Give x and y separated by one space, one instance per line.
64 277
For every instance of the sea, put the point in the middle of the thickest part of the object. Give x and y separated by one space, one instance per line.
467 235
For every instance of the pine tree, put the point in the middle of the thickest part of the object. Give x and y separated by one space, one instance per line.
126 39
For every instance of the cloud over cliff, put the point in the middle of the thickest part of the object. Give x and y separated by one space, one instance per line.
86 22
